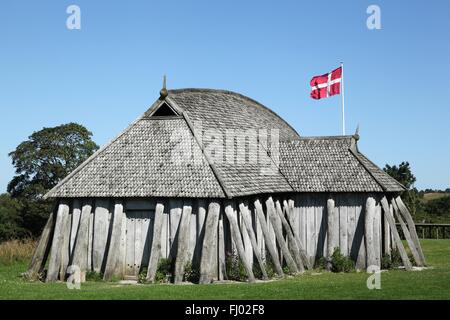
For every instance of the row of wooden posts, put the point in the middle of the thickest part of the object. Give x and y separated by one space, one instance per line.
279 212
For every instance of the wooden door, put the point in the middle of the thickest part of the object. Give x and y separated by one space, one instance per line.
139 235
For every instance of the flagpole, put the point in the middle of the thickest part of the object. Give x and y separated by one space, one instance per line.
343 100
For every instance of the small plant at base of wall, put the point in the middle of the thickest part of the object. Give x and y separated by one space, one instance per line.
94 276
235 267
191 273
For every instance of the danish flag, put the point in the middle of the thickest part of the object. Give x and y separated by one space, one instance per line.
326 85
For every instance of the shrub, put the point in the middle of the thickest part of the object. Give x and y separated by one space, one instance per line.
392 261
94 276
235 267
270 268
164 271
142 276
321 263
191 273
341 263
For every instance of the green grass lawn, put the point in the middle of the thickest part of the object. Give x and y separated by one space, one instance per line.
428 284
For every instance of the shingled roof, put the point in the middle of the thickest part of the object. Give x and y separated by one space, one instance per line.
332 164
163 155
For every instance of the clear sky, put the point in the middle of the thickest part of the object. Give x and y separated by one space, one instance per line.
106 74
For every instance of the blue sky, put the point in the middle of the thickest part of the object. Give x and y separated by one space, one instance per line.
106 74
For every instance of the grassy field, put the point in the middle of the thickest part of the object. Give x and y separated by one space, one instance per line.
433 283
434 195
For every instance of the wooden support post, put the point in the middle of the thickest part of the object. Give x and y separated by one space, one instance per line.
41 252
332 230
289 207
246 216
407 234
237 237
209 249
369 232
277 227
412 228
155 252
114 246
221 251
100 235
290 236
65 250
183 242
386 235
397 240
267 239
80 249
54 263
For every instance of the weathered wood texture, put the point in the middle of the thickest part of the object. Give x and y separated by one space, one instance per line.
293 246
183 243
100 234
54 264
80 250
268 239
114 247
276 223
42 250
332 230
230 212
369 231
156 242
407 234
209 243
412 228
246 216
398 242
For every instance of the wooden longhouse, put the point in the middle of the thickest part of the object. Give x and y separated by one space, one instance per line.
204 173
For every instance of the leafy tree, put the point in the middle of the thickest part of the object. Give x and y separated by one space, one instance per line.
10 220
404 175
41 162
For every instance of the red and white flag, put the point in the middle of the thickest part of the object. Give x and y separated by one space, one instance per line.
326 85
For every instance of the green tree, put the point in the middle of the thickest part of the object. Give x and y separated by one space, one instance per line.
41 162
404 175
10 220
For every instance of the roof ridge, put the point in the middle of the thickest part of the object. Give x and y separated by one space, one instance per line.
242 96
320 138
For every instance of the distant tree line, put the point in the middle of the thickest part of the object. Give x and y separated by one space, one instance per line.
434 209
40 163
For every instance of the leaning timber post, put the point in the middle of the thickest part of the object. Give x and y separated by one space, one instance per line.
369 218
407 234
246 216
183 242
332 230
155 252
237 237
293 243
412 227
289 206
386 235
41 252
58 237
65 246
276 223
267 239
209 249
80 248
397 240
113 257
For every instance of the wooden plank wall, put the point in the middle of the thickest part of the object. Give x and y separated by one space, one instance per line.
308 220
